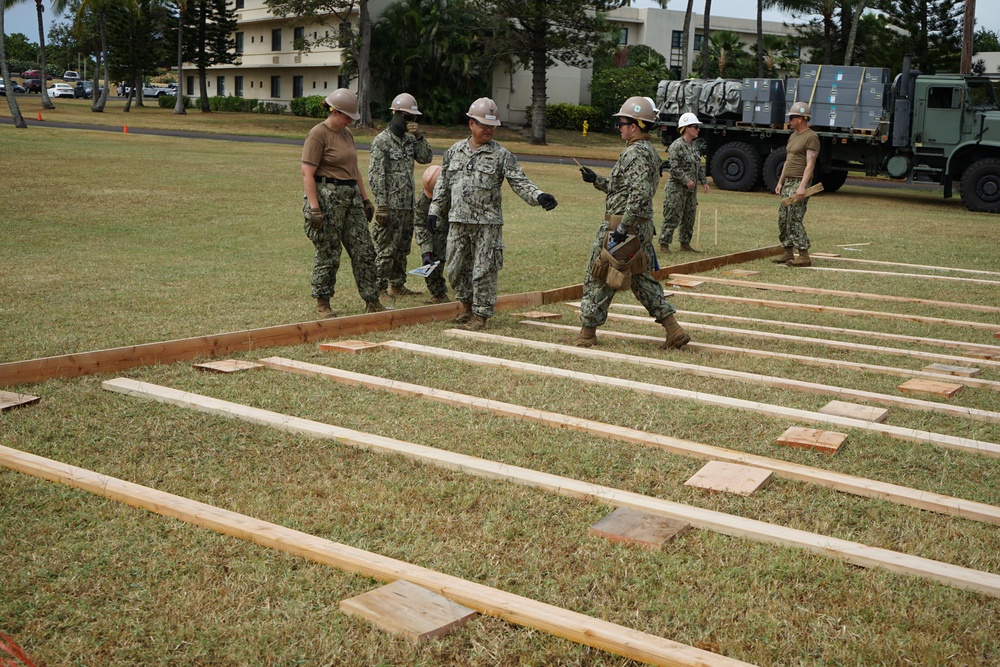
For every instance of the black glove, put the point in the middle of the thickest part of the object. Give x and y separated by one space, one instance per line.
431 223
547 201
428 258
621 231
369 209
588 175
664 166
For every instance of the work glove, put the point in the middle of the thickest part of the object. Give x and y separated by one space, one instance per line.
316 219
664 166
589 176
431 224
621 231
382 216
547 201
369 209
413 128
428 258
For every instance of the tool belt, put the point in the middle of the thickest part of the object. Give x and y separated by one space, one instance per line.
616 265
335 181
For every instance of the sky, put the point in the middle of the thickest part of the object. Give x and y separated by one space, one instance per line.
22 17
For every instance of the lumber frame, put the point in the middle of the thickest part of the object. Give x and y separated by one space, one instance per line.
858 486
727 524
988 448
808 361
513 608
802 289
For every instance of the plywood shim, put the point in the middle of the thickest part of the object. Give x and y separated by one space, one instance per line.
827 442
731 478
824 254
948 369
930 387
9 400
228 366
634 527
684 282
408 609
349 346
854 411
742 273
539 315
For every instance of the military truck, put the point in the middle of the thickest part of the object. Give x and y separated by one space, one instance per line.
941 128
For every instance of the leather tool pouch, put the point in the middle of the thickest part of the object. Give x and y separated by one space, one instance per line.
617 266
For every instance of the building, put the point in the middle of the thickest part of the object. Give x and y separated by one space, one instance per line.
272 70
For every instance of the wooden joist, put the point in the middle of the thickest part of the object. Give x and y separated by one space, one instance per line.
840 482
709 263
727 524
912 266
516 609
803 359
813 189
978 281
802 289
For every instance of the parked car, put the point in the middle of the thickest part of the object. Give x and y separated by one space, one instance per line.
70 75
35 74
61 90
83 89
15 86
33 85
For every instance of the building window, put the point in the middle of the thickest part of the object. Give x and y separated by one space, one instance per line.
676 39
239 4
698 41
314 85
190 85
299 34
220 84
297 86
252 38
343 81
345 32
251 84
623 37
276 39
238 85
239 42
275 86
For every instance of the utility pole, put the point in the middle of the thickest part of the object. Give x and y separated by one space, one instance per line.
967 36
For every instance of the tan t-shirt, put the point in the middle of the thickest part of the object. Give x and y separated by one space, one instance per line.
795 152
333 153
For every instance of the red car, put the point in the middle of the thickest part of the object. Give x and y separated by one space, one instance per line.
35 74
33 85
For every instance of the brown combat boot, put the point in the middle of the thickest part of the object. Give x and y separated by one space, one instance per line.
474 323
443 298
323 306
401 290
587 337
787 257
665 248
465 315
676 336
686 247
801 260
375 307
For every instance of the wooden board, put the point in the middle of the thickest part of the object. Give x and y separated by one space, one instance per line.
743 273
912 266
539 315
926 276
10 400
828 442
981 354
587 491
640 528
866 413
946 369
407 609
828 255
709 263
718 476
930 388
349 346
512 608
682 281
813 189
848 245
228 366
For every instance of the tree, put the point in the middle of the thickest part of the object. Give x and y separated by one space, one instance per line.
21 49
706 34
727 56
539 33
613 85
179 109
859 11
985 41
929 29
685 37
337 15
212 23
92 15
137 43
15 111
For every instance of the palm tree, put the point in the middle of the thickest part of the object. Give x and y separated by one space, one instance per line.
684 38
98 9
723 43
179 102
706 34
15 111
849 52
46 102
774 47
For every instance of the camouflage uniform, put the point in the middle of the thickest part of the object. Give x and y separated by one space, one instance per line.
791 229
630 189
345 225
390 177
679 203
435 242
469 184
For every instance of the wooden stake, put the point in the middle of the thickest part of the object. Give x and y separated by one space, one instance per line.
697 239
716 226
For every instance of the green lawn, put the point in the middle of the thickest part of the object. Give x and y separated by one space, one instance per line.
119 239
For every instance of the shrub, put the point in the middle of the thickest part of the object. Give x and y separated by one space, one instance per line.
274 108
611 87
232 104
571 116
168 101
310 107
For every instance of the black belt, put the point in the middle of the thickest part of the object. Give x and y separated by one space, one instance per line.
335 181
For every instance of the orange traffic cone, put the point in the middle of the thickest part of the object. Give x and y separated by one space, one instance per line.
125 131
39 115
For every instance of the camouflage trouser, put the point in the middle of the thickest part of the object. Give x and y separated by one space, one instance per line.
345 225
474 258
597 295
392 247
435 242
679 205
791 231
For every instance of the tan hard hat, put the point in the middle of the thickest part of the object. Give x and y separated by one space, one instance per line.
430 179
485 111
344 101
799 109
406 103
638 108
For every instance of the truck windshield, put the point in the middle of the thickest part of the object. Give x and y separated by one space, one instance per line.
982 94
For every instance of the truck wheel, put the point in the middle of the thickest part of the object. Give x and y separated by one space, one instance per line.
833 180
736 166
773 165
981 186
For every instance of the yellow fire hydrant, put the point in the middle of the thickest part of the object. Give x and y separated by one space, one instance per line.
585 126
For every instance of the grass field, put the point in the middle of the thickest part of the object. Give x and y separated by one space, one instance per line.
115 239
